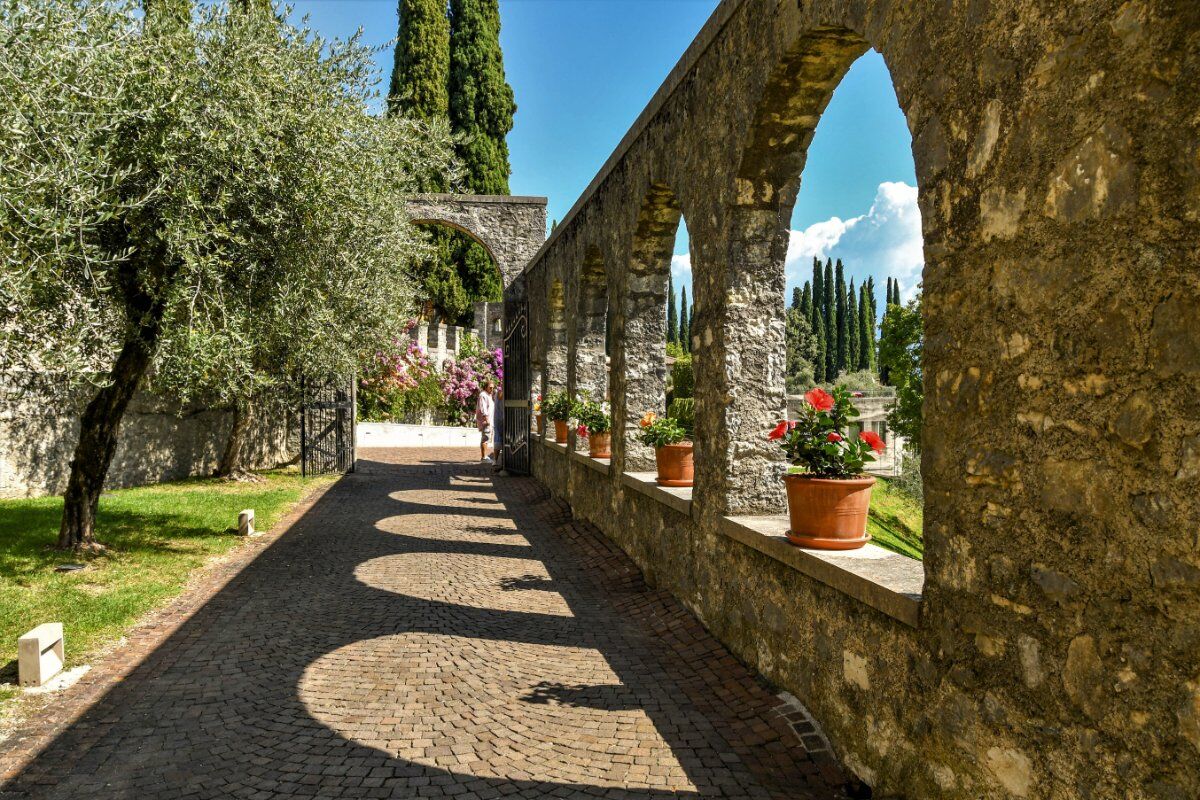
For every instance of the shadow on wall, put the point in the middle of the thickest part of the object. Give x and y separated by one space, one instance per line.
160 440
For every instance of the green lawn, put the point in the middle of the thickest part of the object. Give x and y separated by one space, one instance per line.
156 535
896 520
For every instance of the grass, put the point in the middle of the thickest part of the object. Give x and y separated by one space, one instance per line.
896 520
156 537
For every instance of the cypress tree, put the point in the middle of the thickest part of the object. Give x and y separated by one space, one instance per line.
851 328
840 318
872 351
806 301
829 312
481 101
421 66
685 325
819 359
795 297
865 324
672 319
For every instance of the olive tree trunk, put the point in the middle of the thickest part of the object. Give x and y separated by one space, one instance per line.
98 429
235 445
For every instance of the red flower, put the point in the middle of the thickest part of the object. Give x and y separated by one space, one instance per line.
833 436
778 432
819 399
873 440
582 431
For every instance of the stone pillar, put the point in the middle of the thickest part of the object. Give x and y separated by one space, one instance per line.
738 353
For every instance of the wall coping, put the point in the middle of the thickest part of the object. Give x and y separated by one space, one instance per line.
507 199
677 497
883 580
887 582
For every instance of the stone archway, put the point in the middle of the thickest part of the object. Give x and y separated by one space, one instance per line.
510 228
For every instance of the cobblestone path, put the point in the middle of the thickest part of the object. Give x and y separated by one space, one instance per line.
427 630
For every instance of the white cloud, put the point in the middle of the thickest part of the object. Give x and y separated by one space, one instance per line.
681 269
884 241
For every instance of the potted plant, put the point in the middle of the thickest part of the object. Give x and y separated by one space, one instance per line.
594 424
828 494
558 407
541 418
672 450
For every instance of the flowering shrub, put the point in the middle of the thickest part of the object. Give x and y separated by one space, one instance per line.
462 377
816 442
399 383
655 431
592 417
558 407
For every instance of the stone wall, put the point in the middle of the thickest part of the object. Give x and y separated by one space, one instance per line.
159 440
1056 146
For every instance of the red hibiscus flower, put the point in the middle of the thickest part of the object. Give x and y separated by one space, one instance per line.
778 432
873 440
819 399
833 436
582 431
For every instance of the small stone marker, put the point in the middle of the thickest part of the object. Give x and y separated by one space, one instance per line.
246 522
40 654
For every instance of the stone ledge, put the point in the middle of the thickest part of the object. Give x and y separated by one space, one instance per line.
508 199
883 580
678 498
601 465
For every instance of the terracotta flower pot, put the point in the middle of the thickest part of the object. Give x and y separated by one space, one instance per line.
600 445
560 431
828 513
541 423
675 466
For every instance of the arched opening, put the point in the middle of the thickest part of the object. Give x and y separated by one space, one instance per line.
556 339
644 364
768 272
852 274
591 333
461 283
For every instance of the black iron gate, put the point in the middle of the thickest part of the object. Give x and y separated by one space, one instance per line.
516 386
327 419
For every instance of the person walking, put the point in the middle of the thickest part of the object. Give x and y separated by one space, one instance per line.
485 407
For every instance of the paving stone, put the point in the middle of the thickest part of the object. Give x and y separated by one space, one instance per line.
423 629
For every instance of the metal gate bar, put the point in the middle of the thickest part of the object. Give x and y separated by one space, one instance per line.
517 416
327 422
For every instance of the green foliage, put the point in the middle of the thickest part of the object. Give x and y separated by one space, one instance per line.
672 315
801 351
674 349
481 101
403 404
896 519
910 480
816 440
820 349
421 67
866 324
655 431
685 326
683 378
829 311
900 353
852 327
683 410
841 317
592 417
558 406
860 381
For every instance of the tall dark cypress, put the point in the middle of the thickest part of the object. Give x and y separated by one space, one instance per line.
421 65
685 325
806 301
481 101
795 297
819 359
865 324
672 318
851 328
818 282
840 318
829 312
873 350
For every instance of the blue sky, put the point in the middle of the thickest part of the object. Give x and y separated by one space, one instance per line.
582 71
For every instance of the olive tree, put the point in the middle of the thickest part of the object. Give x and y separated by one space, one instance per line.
243 194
